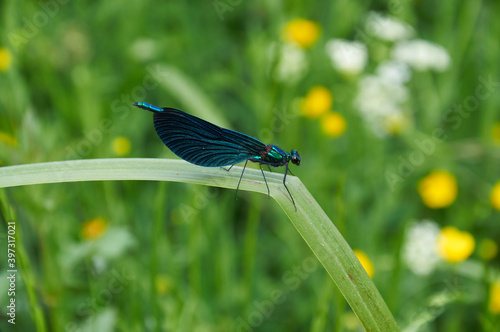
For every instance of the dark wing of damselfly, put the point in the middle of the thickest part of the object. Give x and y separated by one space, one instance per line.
203 143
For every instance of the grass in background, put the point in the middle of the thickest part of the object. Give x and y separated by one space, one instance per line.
166 256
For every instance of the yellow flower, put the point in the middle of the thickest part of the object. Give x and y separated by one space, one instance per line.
333 124
94 228
488 249
163 284
495 196
5 59
395 124
301 31
318 101
438 189
121 146
495 133
494 304
365 261
8 139
454 245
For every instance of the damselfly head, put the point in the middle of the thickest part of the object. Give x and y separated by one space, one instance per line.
295 157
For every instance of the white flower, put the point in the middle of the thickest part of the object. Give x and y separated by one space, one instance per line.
420 247
421 55
379 102
292 64
394 72
347 57
381 97
114 243
387 28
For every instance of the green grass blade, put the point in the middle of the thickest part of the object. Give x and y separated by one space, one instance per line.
311 222
23 266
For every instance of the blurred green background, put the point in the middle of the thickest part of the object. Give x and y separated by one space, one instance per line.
393 106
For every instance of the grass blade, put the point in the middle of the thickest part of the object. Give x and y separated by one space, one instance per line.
310 220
